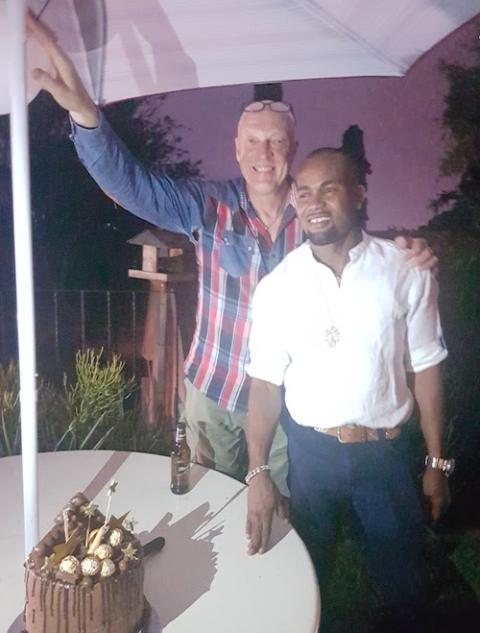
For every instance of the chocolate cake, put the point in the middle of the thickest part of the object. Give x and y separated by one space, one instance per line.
85 575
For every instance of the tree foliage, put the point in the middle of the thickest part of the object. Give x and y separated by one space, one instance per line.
460 208
454 234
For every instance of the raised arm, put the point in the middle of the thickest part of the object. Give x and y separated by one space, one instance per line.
168 204
62 80
264 408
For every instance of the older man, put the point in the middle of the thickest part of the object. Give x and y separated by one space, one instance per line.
241 229
346 326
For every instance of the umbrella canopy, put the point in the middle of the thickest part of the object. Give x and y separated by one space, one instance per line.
126 49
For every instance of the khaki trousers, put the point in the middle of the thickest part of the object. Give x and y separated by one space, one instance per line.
217 439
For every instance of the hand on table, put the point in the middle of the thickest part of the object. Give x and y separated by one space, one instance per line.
62 80
435 489
418 252
263 500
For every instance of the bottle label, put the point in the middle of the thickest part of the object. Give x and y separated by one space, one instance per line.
180 480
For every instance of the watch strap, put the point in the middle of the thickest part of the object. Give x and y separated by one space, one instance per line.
447 466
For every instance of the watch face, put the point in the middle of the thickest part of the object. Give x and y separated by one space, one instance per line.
448 466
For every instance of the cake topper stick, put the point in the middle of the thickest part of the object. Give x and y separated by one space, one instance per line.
89 511
65 524
111 489
96 538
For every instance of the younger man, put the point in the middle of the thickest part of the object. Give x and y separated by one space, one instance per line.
347 327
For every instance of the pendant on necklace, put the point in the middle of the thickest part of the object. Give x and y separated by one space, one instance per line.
332 336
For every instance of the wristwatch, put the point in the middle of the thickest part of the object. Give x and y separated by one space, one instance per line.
447 466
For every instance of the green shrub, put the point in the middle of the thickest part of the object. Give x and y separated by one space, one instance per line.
9 410
95 402
90 412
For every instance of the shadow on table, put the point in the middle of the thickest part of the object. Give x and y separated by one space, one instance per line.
105 474
280 529
17 625
188 562
187 567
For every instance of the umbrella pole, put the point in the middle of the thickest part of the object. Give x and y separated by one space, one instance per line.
23 267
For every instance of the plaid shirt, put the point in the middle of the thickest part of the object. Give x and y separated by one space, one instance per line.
234 251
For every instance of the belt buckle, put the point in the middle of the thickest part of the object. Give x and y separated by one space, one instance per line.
339 435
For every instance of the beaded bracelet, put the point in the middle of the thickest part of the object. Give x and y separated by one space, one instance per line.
256 471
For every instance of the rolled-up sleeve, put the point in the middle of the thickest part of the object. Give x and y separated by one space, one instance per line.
425 343
267 343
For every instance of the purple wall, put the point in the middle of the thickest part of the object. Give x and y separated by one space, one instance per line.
400 118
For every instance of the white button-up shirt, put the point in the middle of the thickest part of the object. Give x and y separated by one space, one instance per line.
387 320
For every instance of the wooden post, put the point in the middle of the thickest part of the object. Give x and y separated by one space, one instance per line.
162 343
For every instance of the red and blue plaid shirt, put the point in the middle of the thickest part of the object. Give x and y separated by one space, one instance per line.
234 251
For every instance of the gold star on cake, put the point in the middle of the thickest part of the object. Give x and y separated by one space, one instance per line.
48 564
112 487
89 511
129 552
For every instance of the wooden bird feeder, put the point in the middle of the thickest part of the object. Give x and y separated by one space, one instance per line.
163 256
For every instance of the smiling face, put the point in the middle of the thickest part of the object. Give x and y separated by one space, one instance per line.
327 196
265 147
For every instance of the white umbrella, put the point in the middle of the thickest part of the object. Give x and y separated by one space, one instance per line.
125 49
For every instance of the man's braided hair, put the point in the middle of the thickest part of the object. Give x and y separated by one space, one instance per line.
353 147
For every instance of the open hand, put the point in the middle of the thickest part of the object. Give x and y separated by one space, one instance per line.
435 489
263 500
62 80
418 252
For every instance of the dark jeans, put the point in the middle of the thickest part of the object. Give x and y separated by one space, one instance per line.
374 481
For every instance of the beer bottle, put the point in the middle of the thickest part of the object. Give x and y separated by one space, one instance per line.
180 461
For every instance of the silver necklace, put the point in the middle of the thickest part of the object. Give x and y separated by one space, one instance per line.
272 224
332 335
254 230
332 332
279 215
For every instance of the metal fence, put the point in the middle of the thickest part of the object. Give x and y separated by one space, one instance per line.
71 320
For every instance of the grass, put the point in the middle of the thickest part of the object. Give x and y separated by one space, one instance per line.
466 558
454 564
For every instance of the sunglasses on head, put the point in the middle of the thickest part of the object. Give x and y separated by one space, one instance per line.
275 106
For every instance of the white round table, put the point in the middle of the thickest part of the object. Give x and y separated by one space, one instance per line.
202 580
